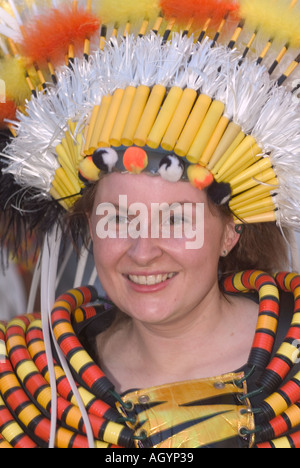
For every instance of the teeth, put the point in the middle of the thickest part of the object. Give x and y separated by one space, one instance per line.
151 279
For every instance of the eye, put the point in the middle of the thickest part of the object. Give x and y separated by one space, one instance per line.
178 220
121 219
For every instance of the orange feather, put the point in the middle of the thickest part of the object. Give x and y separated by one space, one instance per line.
48 36
199 10
7 111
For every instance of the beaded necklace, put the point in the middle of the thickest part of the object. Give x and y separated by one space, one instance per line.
26 396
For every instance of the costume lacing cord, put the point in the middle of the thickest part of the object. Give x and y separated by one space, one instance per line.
25 398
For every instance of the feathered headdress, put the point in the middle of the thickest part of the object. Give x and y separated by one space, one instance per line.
200 90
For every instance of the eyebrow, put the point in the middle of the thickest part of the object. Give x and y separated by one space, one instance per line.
117 206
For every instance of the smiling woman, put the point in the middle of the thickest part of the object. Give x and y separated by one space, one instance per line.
171 146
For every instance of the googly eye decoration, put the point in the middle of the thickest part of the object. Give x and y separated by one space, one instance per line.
171 168
105 159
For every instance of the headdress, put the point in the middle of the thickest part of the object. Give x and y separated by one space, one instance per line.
199 90
189 91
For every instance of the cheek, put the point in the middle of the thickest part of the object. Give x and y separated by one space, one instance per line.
107 253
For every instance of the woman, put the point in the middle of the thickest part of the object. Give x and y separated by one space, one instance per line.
184 326
179 158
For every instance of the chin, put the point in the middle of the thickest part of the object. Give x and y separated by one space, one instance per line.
153 313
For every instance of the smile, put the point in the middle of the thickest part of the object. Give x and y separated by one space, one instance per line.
151 280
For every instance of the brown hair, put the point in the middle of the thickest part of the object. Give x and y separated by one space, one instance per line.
261 246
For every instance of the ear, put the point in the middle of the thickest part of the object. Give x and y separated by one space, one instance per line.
230 237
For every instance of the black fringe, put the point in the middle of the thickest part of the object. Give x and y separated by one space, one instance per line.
24 214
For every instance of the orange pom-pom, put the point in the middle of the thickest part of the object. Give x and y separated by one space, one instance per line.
87 170
199 10
48 36
135 159
7 111
199 176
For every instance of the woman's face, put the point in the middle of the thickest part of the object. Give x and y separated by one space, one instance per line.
159 276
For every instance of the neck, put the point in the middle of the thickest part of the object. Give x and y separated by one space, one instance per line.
212 339
186 335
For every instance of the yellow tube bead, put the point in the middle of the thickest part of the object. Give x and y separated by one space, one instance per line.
193 124
71 126
267 323
238 284
4 444
252 171
73 418
77 294
79 147
63 438
100 444
86 396
18 323
149 115
252 156
256 206
245 145
164 117
65 181
179 119
65 163
287 282
281 443
11 431
214 141
73 148
80 359
7 382
269 217
112 433
240 207
25 368
207 128
256 193
110 118
60 189
29 413
91 128
277 403
236 142
54 194
250 213
34 348
293 413
289 351
69 151
135 113
119 125
101 116
44 397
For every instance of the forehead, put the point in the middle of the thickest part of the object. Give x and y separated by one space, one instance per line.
147 188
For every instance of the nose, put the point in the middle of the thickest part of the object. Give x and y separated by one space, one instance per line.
144 251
